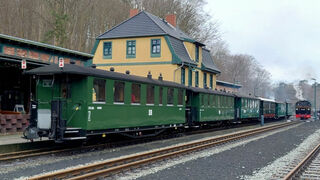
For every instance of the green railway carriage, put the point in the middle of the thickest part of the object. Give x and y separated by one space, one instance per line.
93 101
210 106
290 109
247 107
267 108
280 109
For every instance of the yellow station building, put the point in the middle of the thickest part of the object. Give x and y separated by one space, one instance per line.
146 43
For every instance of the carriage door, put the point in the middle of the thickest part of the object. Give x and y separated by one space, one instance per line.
188 107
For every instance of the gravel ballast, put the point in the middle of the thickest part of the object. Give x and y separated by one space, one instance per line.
241 160
186 169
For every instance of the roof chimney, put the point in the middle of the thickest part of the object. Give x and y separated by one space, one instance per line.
171 18
133 12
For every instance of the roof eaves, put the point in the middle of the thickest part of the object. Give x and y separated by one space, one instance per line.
39 44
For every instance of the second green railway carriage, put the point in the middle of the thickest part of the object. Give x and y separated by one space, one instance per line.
247 107
210 106
280 109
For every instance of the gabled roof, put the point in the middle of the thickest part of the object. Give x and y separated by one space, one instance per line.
144 24
207 62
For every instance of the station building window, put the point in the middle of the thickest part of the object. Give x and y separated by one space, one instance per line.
183 78
118 91
135 93
211 81
155 47
170 96
180 96
99 90
197 53
160 95
197 79
131 49
150 94
204 79
190 77
107 50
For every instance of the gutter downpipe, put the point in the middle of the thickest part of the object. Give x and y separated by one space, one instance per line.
174 72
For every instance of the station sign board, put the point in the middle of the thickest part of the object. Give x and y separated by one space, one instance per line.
23 64
61 62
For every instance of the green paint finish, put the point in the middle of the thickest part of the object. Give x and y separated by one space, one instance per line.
215 108
211 81
175 58
74 106
280 110
290 109
95 46
269 107
190 77
196 77
135 63
183 76
247 108
112 116
1 48
189 40
197 53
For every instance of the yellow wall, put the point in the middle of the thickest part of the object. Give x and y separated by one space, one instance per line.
191 48
170 72
143 51
142 70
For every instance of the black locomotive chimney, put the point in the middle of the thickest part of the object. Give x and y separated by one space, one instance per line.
127 72
112 69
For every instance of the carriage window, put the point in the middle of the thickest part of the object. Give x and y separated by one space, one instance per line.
135 93
150 94
160 95
170 96
180 97
99 90
118 91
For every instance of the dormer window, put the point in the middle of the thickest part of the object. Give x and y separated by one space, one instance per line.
155 47
197 53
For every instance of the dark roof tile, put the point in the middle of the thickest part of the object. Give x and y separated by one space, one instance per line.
207 61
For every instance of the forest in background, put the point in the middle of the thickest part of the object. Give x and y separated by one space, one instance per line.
75 24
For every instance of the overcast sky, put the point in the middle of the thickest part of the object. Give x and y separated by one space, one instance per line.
283 35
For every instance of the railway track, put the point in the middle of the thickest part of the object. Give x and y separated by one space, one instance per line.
10 156
308 168
111 167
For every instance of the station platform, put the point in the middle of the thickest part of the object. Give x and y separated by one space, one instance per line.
15 142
